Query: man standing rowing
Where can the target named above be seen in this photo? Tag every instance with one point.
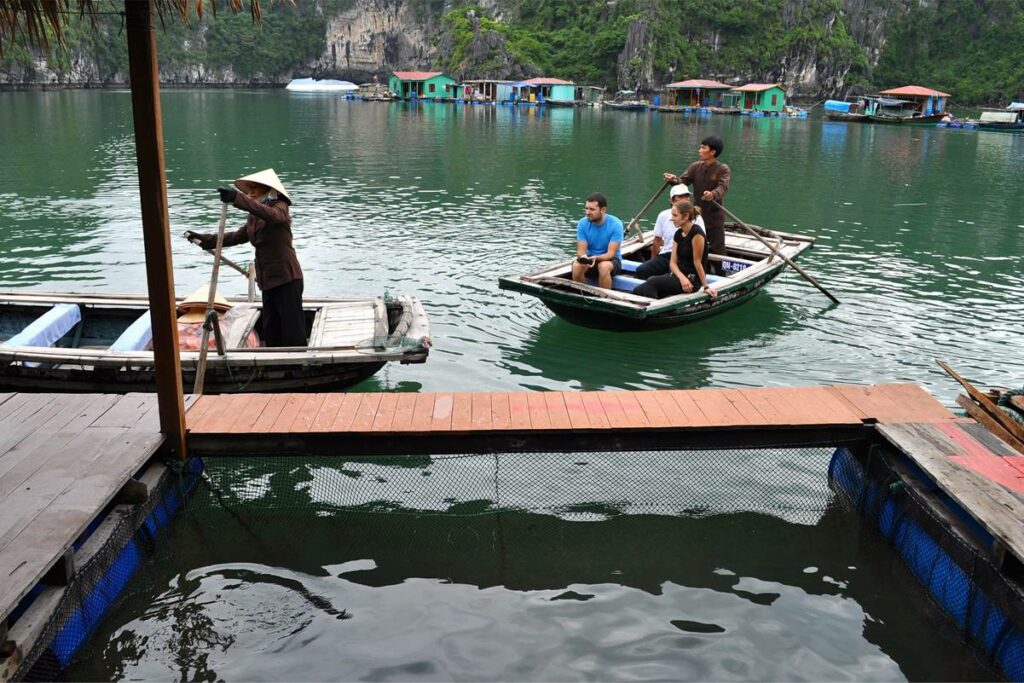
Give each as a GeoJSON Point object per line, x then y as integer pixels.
{"type": "Point", "coordinates": [710, 178]}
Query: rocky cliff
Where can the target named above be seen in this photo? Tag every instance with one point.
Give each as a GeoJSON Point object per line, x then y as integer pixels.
{"type": "Point", "coordinates": [817, 48]}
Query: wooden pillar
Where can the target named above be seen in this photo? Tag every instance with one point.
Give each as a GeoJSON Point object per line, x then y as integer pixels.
{"type": "Point", "coordinates": [149, 151]}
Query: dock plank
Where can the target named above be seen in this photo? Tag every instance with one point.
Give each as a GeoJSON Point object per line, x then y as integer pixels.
{"type": "Point", "coordinates": [441, 417]}
{"type": "Point", "coordinates": [501, 411]}
{"type": "Point", "coordinates": [366, 412]}
{"type": "Point", "coordinates": [519, 410]}
{"type": "Point", "coordinates": [265, 422]}
{"type": "Point", "coordinates": [558, 413]}
{"type": "Point", "coordinates": [462, 412]}
{"type": "Point", "coordinates": [480, 411]}
{"type": "Point", "coordinates": [423, 413]}
{"type": "Point", "coordinates": [595, 410]}
{"type": "Point", "coordinates": [717, 408]}
{"type": "Point", "coordinates": [385, 412]}
{"type": "Point", "coordinates": [538, 410]}
{"type": "Point", "coordinates": [653, 411]}
{"type": "Point", "coordinates": [688, 411]}
{"type": "Point", "coordinates": [346, 413]}
{"type": "Point", "coordinates": [998, 510]}
{"type": "Point", "coordinates": [250, 412]}
{"type": "Point", "coordinates": [402, 421]}
{"type": "Point", "coordinates": [576, 411]}
{"type": "Point", "coordinates": [613, 411]}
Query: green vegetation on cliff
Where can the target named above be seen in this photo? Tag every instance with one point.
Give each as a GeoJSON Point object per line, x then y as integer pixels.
{"type": "Point", "coordinates": [973, 49]}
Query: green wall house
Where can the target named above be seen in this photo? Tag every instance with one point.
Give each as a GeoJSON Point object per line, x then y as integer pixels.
{"type": "Point", "coordinates": [421, 85]}
{"type": "Point", "coordinates": [762, 97]}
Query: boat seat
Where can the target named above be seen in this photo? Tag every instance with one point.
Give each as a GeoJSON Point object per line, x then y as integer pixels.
{"type": "Point", "coordinates": [49, 327]}
{"type": "Point", "coordinates": [630, 266]}
{"type": "Point", "coordinates": [136, 337]}
{"type": "Point", "coordinates": [622, 283]}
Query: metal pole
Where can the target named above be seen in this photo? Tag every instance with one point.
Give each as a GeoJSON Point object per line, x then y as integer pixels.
{"type": "Point", "coordinates": [149, 152]}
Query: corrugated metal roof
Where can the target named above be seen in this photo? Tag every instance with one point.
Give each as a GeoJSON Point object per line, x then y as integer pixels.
{"type": "Point", "coordinates": [547, 81]}
{"type": "Point", "coordinates": [758, 87]}
{"type": "Point", "coordinates": [417, 75]}
{"type": "Point", "coordinates": [699, 83]}
{"type": "Point", "coordinates": [914, 90]}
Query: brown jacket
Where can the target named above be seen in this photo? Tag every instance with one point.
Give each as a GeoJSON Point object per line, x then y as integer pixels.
{"type": "Point", "coordinates": [269, 229]}
{"type": "Point", "coordinates": [715, 177]}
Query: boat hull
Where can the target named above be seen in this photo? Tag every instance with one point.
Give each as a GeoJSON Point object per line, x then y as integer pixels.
{"type": "Point", "coordinates": [621, 310]}
{"type": "Point", "coordinates": [350, 340]}
{"type": "Point", "coordinates": [929, 120]}
{"type": "Point", "coordinates": [593, 318]}
{"type": "Point", "coordinates": [842, 116]}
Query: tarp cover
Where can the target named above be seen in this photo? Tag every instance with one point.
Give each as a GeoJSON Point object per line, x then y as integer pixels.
{"type": "Point", "coordinates": [836, 105]}
{"type": "Point", "coordinates": [998, 117]}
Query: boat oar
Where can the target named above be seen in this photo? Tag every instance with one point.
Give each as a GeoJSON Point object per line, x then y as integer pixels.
{"type": "Point", "coordinates": [775, 251]}
{"type": "Point", "coordinates": [207, 322]}
{"type": "Point", "coordinates": [635, 223]}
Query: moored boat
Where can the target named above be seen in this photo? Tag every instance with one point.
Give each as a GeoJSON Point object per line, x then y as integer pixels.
{"type": "Point", "coordinates": [748, 263]}
{"type": "Point", "coordinates": [1009, 120]}
{"type": "Point", "coordinates": [626, 100]}
{"type": "Point", "coordinates": [326, 85]}
{"type": "Point", "coordinates": [100, 343]}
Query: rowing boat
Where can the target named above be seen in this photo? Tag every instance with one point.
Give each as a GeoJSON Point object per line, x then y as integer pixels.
{"type": "Point", "coordinates": [748, 265]}
{"type": "Point", "coordinates": [102, 343]}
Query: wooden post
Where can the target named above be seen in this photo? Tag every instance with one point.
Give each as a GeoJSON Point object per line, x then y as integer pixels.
{"type": "Point", "coordinates": [149, 152]}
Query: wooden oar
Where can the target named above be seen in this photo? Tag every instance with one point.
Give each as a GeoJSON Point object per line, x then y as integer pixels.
{"type": "Point", "coordinates": [778, 253]}
{"type": "Point", "coordinates": [1004, 420]}
{"type": "Point", "coordinates": [201, 366]}
{"type": "Point", "coordinates": [635, 223]}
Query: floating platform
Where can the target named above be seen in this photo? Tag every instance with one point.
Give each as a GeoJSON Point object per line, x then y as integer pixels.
{"type": "Point", "coordinates": [67, 460]}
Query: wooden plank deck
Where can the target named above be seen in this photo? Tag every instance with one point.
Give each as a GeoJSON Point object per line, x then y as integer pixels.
{"type": "Point", "coordinates": [405, 423]}
{"type": "Point", "coordinates": [63, 458]}
{"type": "Point", "coordinates": [983, 474]}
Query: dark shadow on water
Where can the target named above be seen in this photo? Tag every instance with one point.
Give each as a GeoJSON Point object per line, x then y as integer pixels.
{"type": "Point", "coordinates": [674, 358]}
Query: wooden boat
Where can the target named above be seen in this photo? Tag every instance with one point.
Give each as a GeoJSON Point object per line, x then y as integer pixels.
{"type": "Point", "coordinates": [922, 120]}
{"type": "Point", "coordinates": [1007, 120]}
{"type": "Point", "coordinates": [749, 264]}
{"type": "Point", "coordinates": [96, 343]}
{"type": "Point", "coordinates": [626, 100]}
{"type": "Point", "coordinates": [845, 116]}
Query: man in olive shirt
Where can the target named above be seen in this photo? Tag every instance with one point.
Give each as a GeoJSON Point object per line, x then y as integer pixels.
{"type": "Point", "coordinates": [710, 178]}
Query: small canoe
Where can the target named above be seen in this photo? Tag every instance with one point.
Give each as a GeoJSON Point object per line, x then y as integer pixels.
{"type": "Point", "coordinates": [927, 120]}
{"type": "Point", "coordinates": [748, 263]}
{"type": "Point", "coordinates": [101, 343]}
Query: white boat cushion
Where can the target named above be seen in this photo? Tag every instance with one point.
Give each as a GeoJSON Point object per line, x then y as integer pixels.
{"type": "Point", "coordinates": [49, 327]}
{"type": "Point", "coordinates": [137, 337]}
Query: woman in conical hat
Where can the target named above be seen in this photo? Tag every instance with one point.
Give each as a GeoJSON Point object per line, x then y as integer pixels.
{"type": "Point", "coordinates": [269, 229]}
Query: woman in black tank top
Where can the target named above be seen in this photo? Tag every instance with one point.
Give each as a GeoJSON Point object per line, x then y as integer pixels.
{"type": "Point", "coordinates": [689, 262]}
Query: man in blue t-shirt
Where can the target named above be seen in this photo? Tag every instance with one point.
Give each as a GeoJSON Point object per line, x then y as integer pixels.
{"type": "Point", "coordinates": [598, 236]}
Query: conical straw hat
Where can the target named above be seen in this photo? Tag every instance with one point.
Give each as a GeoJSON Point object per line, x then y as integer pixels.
{"type": "Point", "coordinates": [267, 178]}
{"type": "Point", "coordinates": [193, 307]}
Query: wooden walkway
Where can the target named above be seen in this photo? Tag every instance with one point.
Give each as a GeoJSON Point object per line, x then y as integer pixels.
{"type": "Point", "coordinates": [596, 420]}
{"type": "Point", "coordinates": [63, 458]}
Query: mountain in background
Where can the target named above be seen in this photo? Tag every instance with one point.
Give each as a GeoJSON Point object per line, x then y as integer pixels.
{"type": "Point", "coordinates": [973, 49]}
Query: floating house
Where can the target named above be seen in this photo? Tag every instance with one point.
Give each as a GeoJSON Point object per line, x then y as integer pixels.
{"type": "Point", "coordinates": [589, 94]}
{"type": "Point", "coordinates": [916, 100]}
{"type": "Point", "coordinates": [481, 90]}
{"type": "Point", "coordinates": [552, 90]}
{"type": "Point", "coordinates": [695, 92]}
{"type": "Point", "coordinates": [421, 85]}
{"type": "Point", "coordinates": [761, 97]}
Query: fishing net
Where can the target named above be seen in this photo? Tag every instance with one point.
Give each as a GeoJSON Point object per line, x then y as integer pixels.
{"type": "Point", "coordinates": [414, 509]}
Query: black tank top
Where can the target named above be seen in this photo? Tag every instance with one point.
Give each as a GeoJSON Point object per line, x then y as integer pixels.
{"type": "Point", "coordinates": [684, 250]}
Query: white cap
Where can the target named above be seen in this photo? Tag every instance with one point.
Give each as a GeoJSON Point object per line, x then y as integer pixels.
{"type": "Point", "coordinates": [678, 190]}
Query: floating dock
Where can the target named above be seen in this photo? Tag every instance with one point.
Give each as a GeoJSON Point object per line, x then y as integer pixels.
{"type": "Point", "coordinates": [65, 460]}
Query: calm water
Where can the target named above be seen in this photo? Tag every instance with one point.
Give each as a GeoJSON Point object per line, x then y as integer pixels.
{"type": "Point", "coordinates": [920, 235]}
{"type": "Point", "coordinates": [921, 231]}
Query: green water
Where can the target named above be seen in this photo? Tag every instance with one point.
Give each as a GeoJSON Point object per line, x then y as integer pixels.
{"type": "Point", "coordinates": [920, 231]}
{"type": "Point", "coordinates": [920, 234]}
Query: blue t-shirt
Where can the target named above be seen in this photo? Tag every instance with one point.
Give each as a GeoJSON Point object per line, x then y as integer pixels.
{"type": "Point", "coordinates": [598, 237]}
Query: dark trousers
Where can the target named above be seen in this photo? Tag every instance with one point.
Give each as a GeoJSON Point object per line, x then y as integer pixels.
{"type": "Point", "coordinates": [661, 286]}
{"type": "Point", "coordinates": [283, 323]}
{"type": "Point", "coordinates": [714, 224]}
{"type": "Point", "coordinates": [659, 265]}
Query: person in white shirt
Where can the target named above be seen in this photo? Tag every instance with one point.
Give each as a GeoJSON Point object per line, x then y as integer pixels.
{"type": "Point", "coordinates": [664, 232]}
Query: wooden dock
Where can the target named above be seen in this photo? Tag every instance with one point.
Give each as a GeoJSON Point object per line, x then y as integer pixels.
{"type": "Point", "coordinates": [396, 423]}
{"type": "Point", "coordinates": [65, 458]}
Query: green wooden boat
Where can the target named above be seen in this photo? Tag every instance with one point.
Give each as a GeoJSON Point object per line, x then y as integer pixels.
{"type": "Point", "coordinates": [748, 263]}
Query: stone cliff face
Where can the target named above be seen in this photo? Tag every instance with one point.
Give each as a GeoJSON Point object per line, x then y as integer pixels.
{"type": "Point", "coordinates": [374, 37]}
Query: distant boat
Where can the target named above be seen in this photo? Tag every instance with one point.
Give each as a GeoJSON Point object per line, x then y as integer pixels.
{"type": "Point", "coordinates": [626, 100]}
{"type": "Point", "coordinates": [1009, 120]}
{"type": "Point", "coordinates": [314, 85]}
